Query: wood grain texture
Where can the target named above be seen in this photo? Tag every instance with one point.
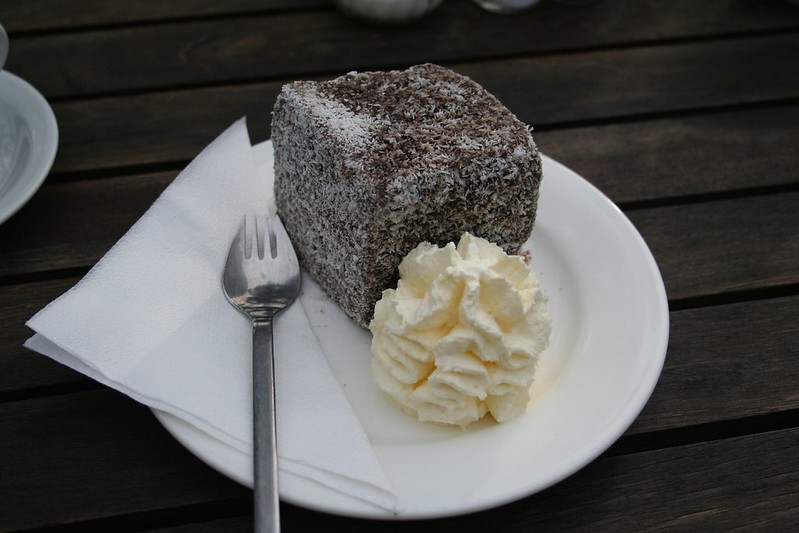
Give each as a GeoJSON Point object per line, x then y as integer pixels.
{"type": "Point", "coordinates": [609, 84]}
{"type": "Point", "coordinates": [730, 245]}
{"type": "Point", "coordinates": [253, 48]}
{"type": "Point", "coordinates": [546, 92]}
{"type": "Point", "coordinates": [708, 18]}
{"type": "Point", "coordinates": [93, 455]}
{"type": "Point", "coordinates": [705, 19]}
{"type": "Point", "coordinates": [77, 222]}
{"type": "Point", "coordinates": [682, 156]}
{"type": "Point", "coordinates": [83, 455]}
{"type": "Point", "coordinates": [50, 15]}
{"type": "Point", "coordinates": [239, 524]}
{"type": "Point", "coordinates": [726, 362]}
{"type": "Point", "coordinates": [157, 128]}
{"type": "Point", "coordinates": [21, 369]}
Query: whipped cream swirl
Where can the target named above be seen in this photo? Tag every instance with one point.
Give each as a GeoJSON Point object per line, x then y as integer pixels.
{"type": "Point", "coordinates": [461, 334]}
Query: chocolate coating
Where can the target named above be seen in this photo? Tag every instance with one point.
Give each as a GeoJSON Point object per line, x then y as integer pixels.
{"type": "Point", "coordinates": [370, 164]}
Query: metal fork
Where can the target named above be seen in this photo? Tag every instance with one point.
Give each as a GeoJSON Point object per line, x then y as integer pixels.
{"type": "Point", "coordinates": [262, 277]}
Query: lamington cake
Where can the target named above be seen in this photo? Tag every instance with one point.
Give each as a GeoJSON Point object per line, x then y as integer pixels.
{"type": "Point", "coordinates": [370, 164]}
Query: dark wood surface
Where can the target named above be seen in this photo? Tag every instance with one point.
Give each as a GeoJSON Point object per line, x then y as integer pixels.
{"type": "Point", "coordinates": [685, 113]}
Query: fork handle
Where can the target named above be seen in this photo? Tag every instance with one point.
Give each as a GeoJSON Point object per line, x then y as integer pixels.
{"type": "Point", "coordinates": [266, 501]}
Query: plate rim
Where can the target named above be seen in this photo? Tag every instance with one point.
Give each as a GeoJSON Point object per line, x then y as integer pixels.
{"type": "Point", "coordinates": [191, 437]}
{"type": "Point", "coordinates": [44, 163]}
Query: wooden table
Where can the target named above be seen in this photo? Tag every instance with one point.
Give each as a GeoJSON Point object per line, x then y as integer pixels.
{"type": "Point", "coordinates": [685, 113]}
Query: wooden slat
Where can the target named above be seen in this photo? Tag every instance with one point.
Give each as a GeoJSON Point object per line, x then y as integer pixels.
{"type": "Point", "coordinates": [154, 128]}
{"type": "Point", "coordinates": [545, 92]}
{"type": "Point", "coordinates": [239, 524]}
{"type": "Point", "coordinates": [726, 362]}
{"type": "Point", "coordinates": [645, 80]}
{"type": "Point", "coordinates": [76, 222]}
{"type": "Point", "coordinates": [38, 15]}
{"type": "Point", "coordinates": [682, 156]}
{"type": "Point", "coordinates": [79, 456]}
{"type": "Point", "coordinates": [20, 369]}
{"type": "Point", "coordinates": [724, 246]}
{"type": "Point", "coordinates": [92, 455]}
{"type": "Point", "coordinates": [202, 52]}
{"type": "Point", "coordinates": [702, 19]}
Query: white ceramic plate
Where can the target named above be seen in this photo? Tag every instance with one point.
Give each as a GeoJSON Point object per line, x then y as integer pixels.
{"type": "Point", "coordinates": [28, 142]}
{"type": "Point", "coordinates": [608, 344]}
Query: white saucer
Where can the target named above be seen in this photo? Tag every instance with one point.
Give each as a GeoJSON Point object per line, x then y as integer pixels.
{"type": "Point", "coordinates": [608, 344]}
{"type": "Point", "coordinates": [28, 142]}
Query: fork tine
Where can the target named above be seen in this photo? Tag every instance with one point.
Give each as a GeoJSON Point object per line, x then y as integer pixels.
{"type": "Point", "coordinates": [254, 229]}
{"type": "Point", "coordinates": [271, 242]}
{"type": "Point", "coordinates": [246, 235]}
{"type": "Point", "coordinates": [237, 247]}
{"type": "Point", "coordinates": [233, 281]}
{"type": "Point", "coordinates": [273, 236]}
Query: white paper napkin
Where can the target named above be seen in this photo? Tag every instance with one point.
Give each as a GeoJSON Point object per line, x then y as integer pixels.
{"type": "Point", "coordinates": [151, 320]}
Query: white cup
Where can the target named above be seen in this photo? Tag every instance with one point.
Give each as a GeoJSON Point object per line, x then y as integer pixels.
{"type": "Point", "coordinates": [506, 7]}
{"type": "Point", "coordinates": [388, 11]}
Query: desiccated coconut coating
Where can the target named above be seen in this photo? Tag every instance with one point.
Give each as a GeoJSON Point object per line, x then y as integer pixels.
{"type": "Point", "coordinates": [370, 164]}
